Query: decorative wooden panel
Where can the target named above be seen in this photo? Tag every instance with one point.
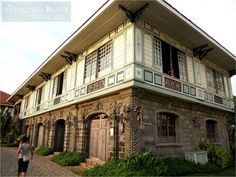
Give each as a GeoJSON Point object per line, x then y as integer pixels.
{"type": "Point", "coordinates": [96, 86]}
{"type": "Point", "coordinates": [172, 84]}
{"type": "Point", "coordinates": [218, 99]}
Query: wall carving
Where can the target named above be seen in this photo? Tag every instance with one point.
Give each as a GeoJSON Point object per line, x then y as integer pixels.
{"type": "Point", "coordinates": [139, 113]}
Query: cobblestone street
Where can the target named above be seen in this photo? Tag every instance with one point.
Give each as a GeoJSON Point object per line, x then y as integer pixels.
{"type": "Point", "coordinates": [39, 166]}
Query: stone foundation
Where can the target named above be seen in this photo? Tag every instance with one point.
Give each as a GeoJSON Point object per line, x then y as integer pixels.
{"type": "Point", "coordinates": [132, 124]}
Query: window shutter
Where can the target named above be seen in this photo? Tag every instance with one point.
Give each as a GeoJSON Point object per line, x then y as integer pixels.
{"type": "Point", "coordinates": [54, 89]}
{"type": "Point", "coordinates": [80, 73]}
{"type": "Point", "coordinates": [226, 87]}
{"type": "Point", "coordinates": [182, 66]}
{"type": "Point", "coordinates": [43, 94]}
{"type": "Point", "coordinates": [118, 59]}
{"type": "Point", "coordinates": [138, 45]}
{"type": "Point", "coordinates": [197, 72]}
{"type": "Point", "coordinates": [157, 54]}
{"type": "Point", "coordinates": [72, 78]}
{"type": "Point", "coordinates": [64, 84]}
{"type": "Point", "coordinates": [129, 46]}
{"type": "Point", "coordinates": [148, 50]}
{"type": "Point", "coordinates": [190, 69]}
{"type": "Point", "coordinates": [203, 75]}
{"type": "Point", "coordinates": [46, 91]}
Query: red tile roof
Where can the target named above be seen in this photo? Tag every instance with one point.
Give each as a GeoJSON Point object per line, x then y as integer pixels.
{"type": "Point", "coordinates": [3, 98]}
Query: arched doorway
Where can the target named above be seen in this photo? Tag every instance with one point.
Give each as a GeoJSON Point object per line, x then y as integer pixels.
{"type": "Point", "coordinates": [98, 137]}
{"type": "Point", "coordinates": [59, 135]}
{"type": "Point", "coordinates": [40, 134]}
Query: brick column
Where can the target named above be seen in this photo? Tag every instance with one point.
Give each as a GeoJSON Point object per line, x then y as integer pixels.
{"type": "Point", "coordinates": [80, 145]}
{"type": "Point", "coordinates": [67, 135]}
{"type": "Point", "coordinates": [43, 143]}
{"type": "Point", "coordinates": [51, 134]}
{"type": "Point", "coordinates": [34, 135]}
{"type": "Point", "coordinates": [74, 124]}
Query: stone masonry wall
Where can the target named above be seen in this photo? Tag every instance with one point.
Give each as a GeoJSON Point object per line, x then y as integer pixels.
{"type": "Point", "coordinates": [190, 125]}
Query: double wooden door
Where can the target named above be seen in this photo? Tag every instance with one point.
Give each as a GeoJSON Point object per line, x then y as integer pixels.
{"type": "Point", "coordinates": [98, 145]}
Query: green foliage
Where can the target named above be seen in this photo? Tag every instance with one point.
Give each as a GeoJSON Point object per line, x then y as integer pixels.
{"type": "Point", "coordinates": [138, 164]}
{"type": "Point", "coordinates": [215, 154]}
{"type": "Point", "coordinates": [8, 145]}
{"type": "Point", "coordinates": [15, 133]}
{"type": "Point", "coordinates": [68, 158]}
{"type": "Point", "coordinates": [178, 167]}
{"type": "Point", "coordinates": [44, 151]}
{"type": "Point", "coordinates": [144, 160]}
{"type": "Point", "coordinates": [231, 122]}
{"type": "Point", "coordinates": [5, 123]}
{"type": "Point", "coordinates": [19, 138]}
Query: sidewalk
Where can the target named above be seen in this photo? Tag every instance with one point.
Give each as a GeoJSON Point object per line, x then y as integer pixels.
{"type": "Point", "coordinates": [39, 166]}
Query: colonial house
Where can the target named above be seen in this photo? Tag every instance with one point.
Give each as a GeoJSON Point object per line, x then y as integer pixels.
{"type": "Point", "coordinates": [4, 105]}
{"type": "Point", "coordinates": [136, 75]}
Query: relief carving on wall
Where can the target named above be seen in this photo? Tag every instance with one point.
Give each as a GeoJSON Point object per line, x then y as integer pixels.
{"type": "Point", "coordinates": [139, 113]}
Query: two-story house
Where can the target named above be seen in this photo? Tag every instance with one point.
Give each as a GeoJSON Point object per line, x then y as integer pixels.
{"type": "Point", "coordinates": [136, 75]}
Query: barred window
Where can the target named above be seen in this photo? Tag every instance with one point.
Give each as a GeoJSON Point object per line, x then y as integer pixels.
{"type": "Point", "coordinates": [166, 128]}
{"type": "Point", "coordinates": [182, 66]}
{"type": "Point", "coordinates": [211, 127]}
{"type": "Point", "coordinates": [157, 52]}
{"type": "Point", "coordinates": [104, 57]}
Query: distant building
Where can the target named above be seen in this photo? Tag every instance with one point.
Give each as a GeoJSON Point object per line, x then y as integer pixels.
{"type": "Point", "coordinates": [4, 105]}
{"type": "Point", "coordinates": [137, 75]}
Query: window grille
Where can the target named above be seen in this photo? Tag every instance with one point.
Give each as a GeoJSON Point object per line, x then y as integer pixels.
{"type": "Point", "coordinates": [166, 125]}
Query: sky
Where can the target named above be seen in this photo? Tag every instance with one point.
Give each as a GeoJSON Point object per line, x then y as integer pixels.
{"type": "Point", "coordinates": [25, 45]}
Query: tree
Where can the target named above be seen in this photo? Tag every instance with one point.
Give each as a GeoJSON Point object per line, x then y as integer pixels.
{"type": "Point", "coordinates": [5, 123]}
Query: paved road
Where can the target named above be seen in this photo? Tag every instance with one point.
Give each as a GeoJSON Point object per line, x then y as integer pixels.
{"type": "Point", "coordinates": [39, 166]}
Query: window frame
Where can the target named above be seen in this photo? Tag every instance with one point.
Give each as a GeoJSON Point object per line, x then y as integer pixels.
{"type": "Point", "coordinates": [209, 138]}
{"type": "Point", "coordinates": [59, 84]}
{"type": "Point", "coordinates": [167, 139]}
{"type": "Point", "coordinates": [102, 64]}
{"type": "Point", "coordinates": [215, 80]}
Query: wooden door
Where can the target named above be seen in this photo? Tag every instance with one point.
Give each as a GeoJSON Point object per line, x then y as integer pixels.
{"type": "Point", "coordinates": [98, 148]}
{"type": "Point", "coordinates": [40, 135]}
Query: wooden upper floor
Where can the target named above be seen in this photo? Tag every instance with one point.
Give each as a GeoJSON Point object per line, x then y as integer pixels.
{"type": "Point", "coordinates": [161, 51]}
